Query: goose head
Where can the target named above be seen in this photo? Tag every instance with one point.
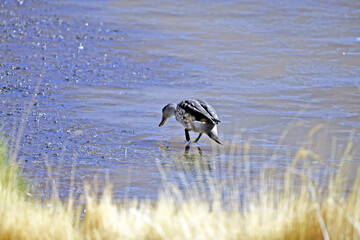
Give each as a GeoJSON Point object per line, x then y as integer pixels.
{"type": "Point", "coordinates": [167, 112]}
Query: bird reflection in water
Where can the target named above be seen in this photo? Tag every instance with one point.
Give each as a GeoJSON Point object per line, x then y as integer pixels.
{"type": "Point", "coordinates": [196, 158]}
{"type": "Point", "coordinates": [191, 159]}
{"type": "Point", "coordinates": [187, 148]}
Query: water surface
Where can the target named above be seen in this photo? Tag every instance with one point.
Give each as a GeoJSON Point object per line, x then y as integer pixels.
{"type": "Point", "coordinates": [269, 69]}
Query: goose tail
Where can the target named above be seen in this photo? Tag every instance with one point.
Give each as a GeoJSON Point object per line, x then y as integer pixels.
{"type": "Point", "coordinates": [214, 135]}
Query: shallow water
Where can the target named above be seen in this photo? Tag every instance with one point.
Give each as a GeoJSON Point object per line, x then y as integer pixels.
{"type": "Point", "coordinates": [107, 68]}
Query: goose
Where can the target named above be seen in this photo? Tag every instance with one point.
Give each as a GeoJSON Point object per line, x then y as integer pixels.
{"type": "Point", "coordinates": [194, 115]}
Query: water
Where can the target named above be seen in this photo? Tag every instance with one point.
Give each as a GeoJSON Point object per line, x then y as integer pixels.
{"type": "Point", "coordinates": [107, 68]}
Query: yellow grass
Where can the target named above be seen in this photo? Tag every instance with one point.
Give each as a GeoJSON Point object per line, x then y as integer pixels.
{"type": "Point", "coordinates": [287, 213]}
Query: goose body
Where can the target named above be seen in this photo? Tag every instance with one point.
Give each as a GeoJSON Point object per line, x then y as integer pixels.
{"type": "Point", "coordinates": [194, 115]}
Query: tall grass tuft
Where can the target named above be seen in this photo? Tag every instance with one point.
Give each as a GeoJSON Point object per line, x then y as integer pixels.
{"type": "Point", "coordinates": [24, 218]}
{"type": "Point", "coordinates": [298, 210]}
{"type": "Point", "coordinates": [10, 177]}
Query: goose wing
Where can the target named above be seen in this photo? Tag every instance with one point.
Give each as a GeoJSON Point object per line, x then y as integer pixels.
{"type": "Point", "coordinates": [210, 110]}
{"type": "Point", "coordinates": [200, 110]}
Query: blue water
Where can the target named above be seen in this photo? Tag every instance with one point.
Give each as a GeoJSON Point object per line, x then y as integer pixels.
{"type": "Point", "coordinates": [269, 69]}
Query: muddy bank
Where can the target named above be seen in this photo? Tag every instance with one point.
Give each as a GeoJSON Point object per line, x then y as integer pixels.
{"type": "Point", "coordinates": [47, 49]}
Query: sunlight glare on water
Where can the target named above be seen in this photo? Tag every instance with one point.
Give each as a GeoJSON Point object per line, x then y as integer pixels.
{"type": "Point", "coordinates": [263, 65]}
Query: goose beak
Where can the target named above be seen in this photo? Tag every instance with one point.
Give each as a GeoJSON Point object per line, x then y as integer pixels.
{"type": "Point", "coordinates": [163, 120]}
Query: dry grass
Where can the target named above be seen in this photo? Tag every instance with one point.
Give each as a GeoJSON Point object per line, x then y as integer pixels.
{"type": "Point", "coordinates": [304, 212]}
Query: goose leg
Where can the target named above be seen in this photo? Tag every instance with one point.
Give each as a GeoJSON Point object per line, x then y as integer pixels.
{"type": "Point", "coordinates": [197, 139]}
{"type": "Point", "coordinates": [187, 136]}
